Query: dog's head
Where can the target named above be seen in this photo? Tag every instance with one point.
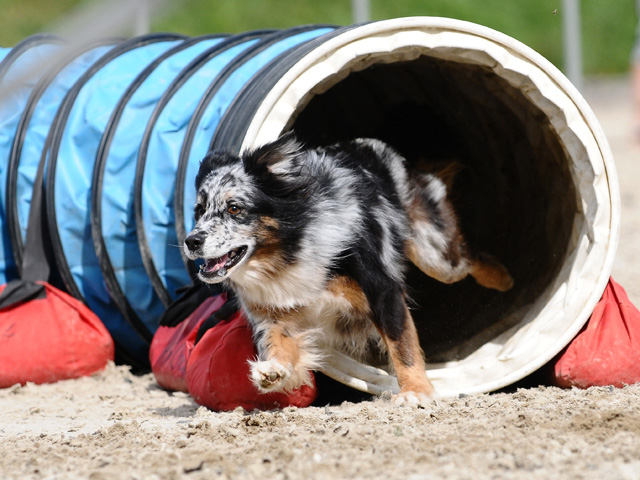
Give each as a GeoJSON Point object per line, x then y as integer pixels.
{"type": "Point", "coordinates": [234, 210]}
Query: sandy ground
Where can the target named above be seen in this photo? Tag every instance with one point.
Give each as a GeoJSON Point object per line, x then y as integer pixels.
{"type": "Point", "coordinates": [116, 425]}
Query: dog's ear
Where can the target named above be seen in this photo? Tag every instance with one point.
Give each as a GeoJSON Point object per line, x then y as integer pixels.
{"type": "Point", "coordinates": [212, 160]}
{"type": "Point", "coordinates": [271, 154]}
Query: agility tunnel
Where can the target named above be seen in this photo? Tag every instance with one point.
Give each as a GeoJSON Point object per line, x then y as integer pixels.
{"type": "Point", "coordinates": [123, 125]}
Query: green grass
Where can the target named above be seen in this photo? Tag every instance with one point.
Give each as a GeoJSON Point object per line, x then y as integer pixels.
{"type": "Point", "coordinates": [21, 18]}
{"type": "Point", "coordinates": [608, 26]}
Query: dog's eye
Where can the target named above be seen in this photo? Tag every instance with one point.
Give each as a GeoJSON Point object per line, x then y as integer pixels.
{"type": "Point", "coordinates": [234, 209]}
{"type": "Point", "coordinates": [199, 211]}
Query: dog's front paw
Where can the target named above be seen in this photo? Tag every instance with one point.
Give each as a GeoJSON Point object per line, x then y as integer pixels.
{"type": "Point", "coordinates": [412, 399]}
{"type": "Point", "coordinates": [270, 375]}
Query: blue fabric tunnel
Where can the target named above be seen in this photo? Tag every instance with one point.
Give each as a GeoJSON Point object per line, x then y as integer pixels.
{"type": "Point", "coordinates": [113, 121]}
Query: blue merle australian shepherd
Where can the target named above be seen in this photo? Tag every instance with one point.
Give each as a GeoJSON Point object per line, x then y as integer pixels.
{"type": "Point", "coordinates": [315, 242]}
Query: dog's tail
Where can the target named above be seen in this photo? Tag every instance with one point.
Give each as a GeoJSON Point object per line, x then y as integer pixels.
{"type": "Point", "coordinates": [436, 245]}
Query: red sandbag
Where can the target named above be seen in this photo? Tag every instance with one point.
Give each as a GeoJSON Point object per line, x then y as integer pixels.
{"type": "Point", "coordinates": [49, 337]}
{"type": "Point", "coordinates": [172, 345]}
{"type": "Point", "coordinates": [607, 350]}
{"type": "Point", "coordinates": [218, 372]}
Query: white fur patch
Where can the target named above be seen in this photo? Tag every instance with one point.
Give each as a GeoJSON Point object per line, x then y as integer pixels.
{"type": "Point", "coordinates": [431, 245]}
{"type": "Point", "coordinates": [435, 189]}
{"type": "Point", "coordinates": [392, 259]}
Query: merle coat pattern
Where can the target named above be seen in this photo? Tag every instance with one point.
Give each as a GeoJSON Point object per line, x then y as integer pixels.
{"type": "Point", "coordinates": [315, 243]}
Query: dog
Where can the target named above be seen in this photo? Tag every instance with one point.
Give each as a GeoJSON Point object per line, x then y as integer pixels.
{"type": "Point", "coordinates": [315, 242]}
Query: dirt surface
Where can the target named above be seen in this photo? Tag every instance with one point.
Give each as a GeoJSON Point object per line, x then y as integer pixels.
{"type": "Point", "coordinates": [116, 425]}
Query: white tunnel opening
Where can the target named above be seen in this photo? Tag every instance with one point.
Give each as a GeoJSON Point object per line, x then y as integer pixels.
{"type": "Point", "coordinates": [536, 188]}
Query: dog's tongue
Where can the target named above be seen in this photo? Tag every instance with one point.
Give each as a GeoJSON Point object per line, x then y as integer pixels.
{"type": "Point", "coordinates": [215, 264]}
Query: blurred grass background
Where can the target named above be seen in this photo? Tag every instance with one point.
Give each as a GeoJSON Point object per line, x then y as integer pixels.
{"type": "Point", "coordinates": [608, 26]}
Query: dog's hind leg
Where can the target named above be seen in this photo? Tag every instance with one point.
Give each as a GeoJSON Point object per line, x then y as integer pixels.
{"type": "Point", "coordinates": [436, 245]}
{"type": "Point", "coordinates": [490, 273]}
{"type": "Point", "coordinates": [485, 269]}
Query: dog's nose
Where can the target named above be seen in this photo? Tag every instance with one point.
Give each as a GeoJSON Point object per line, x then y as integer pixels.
{"type": "Point", "coordinates": [194, 241]}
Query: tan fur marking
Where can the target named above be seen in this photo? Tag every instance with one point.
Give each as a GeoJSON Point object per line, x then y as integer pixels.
{"type": "Point", "coordinates": [490, 273]}
{"type": "Point", "coordinates": [268, 259]}
{"type": "Point", "coordinates": [270, 222]}
{"type": "Point", "coordinates": [276, 314]}
{"type": "Point", "coordinates": [266, 232]}
{"type": "Point", "coordinates": [284, 360]}
{"type": "Point", "coordinates": [347, 288]}
{"type": "Point", "coordinates": [407, 359]}
{"type": "Point", "coordinates": [282, 348]}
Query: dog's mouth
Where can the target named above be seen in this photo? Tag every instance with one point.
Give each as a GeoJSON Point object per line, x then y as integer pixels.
{"type": "Point", "coordinates": [219, 267]}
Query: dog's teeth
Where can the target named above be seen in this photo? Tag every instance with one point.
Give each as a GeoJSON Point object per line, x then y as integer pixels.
{"type": "Point", "coordinates": [232, 254]}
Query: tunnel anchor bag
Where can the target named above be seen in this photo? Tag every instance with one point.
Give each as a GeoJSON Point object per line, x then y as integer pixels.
{"type": "Point", "coordinates": [45, 334]}
{"type": "Point", "coordinates": [203, 346]}
{"type": "Point", "coordinates": [196, 309]}
{"type": "Point", "coordinates": [218, 372]}
{"type": "Point", "coordinates": [607, 350]}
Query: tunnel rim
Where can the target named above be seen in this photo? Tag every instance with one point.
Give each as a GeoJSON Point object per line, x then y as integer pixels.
{"type": "Point", "coordinates": [424, 35]}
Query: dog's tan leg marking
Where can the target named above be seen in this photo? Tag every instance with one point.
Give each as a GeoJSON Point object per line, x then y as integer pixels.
{"type": "Point", "coordinates": [283, 359]}
{"type": "Point", "coordinates": [280, 358]}
{"type": "Point", "coordinates": [283, 348]}
{"type": "Point", "coordinates": [408, 362]}
{"type": "Point", "coordinates": [405, 353]}
{"type": "Point", "coordinates": [490, 273]}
